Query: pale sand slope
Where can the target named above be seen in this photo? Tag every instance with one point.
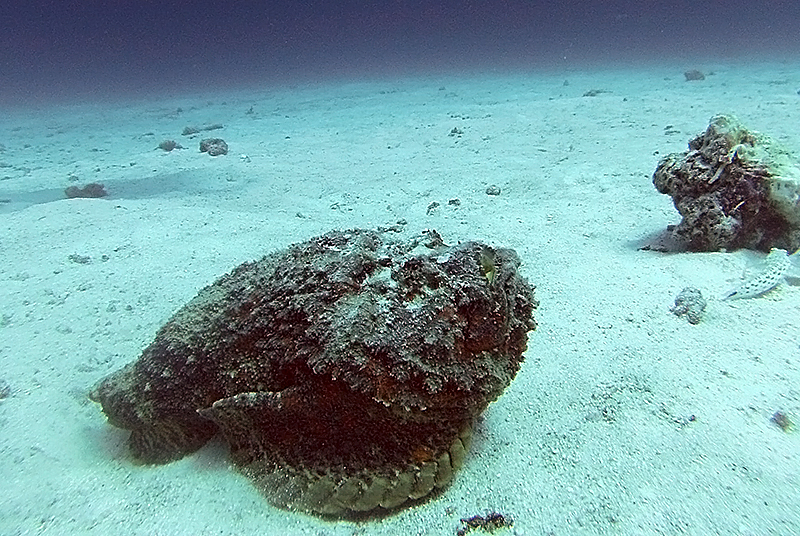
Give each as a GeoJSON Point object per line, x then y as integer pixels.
{"type": "Point", "coordinates": [593, 437]}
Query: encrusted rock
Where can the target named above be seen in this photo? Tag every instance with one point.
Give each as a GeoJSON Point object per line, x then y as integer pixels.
{"type": "Point", "coordinates": [345, 372]}
{"type": "Point", "coordinates": [91, 190]}
{"type": "Point", "coordinates": [693, 74]}
{"type": "Point", "coordinates": [690, 302]}
{"type": "Point", "coordinates": [214, 146]}
{"type": "Point", "coordinates": [734, 189]}
{"type": "Point", "coordinates": [169, 145]}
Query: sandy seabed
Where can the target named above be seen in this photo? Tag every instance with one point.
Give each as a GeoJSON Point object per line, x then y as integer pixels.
{"type": "Point", "coordinates": [625, 419]}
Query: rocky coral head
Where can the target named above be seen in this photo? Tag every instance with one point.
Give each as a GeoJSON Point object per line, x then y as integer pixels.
{"type": "Point", "coordinates": [734, 188]}
{"type": "Point", "coordinates": [345, 371]}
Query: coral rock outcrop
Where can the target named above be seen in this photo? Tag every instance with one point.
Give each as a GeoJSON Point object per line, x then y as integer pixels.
{"type": "Point", "coordinates": [734, 189]}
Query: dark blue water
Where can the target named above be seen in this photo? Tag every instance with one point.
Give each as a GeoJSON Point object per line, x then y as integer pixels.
{"type": "Point", "coordinates": [89, 48]}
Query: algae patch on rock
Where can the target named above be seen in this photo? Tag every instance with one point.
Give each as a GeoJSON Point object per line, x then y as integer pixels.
{"type": "Point", "coordinates": [345, 372]}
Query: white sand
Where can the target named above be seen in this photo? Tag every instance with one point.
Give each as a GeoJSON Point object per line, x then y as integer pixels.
{"type": "Point", "coordinates": [593, 437]}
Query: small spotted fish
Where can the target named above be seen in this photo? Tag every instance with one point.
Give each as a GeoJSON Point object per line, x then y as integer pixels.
{"type": "Point", "coordinates": [778, 264]}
